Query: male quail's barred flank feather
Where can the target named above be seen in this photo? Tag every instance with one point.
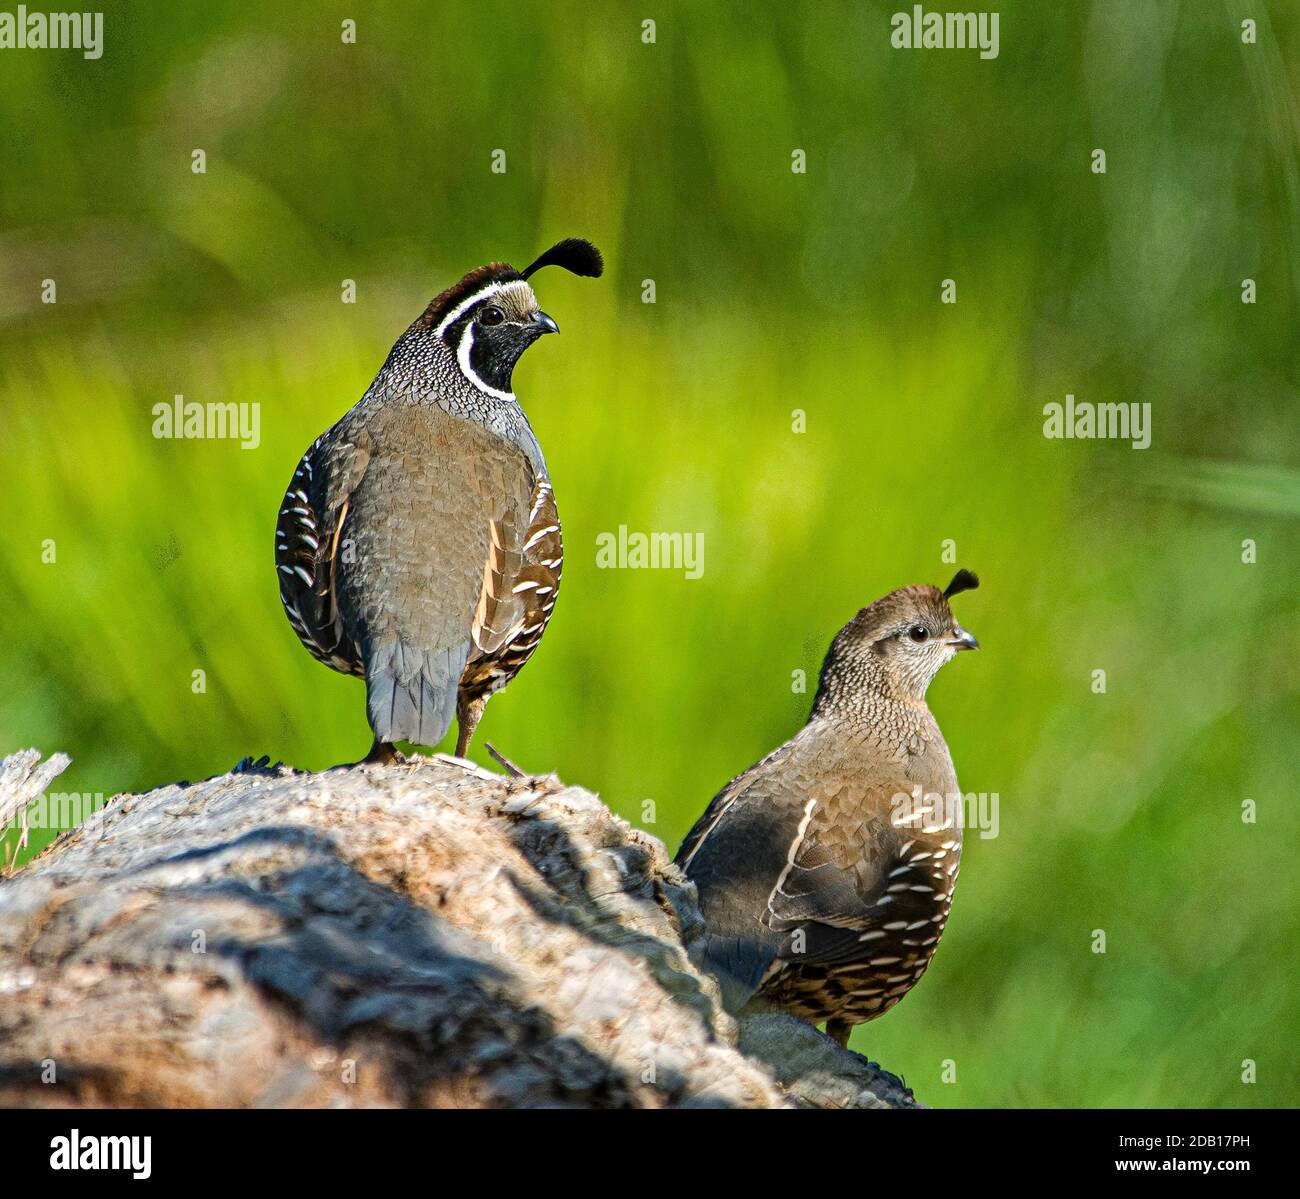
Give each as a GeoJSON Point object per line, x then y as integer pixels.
{"type": "Point", "coordinates": [419, 543]}
{"type": "Point", "coordinates": [825, 877]}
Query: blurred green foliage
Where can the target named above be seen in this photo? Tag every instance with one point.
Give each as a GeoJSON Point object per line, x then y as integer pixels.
{"type": "Point", "coordinates": [775, 291]}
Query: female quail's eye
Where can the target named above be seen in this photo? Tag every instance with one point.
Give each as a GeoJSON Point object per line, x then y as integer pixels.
{"type": "Point", "coordinates": [493, 316]}
{"type": "Point", "coordinates": [918, 632]}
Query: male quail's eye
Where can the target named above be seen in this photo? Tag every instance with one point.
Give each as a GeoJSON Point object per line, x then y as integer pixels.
{"type": "Point", "coordinates": [918, 632]}
{"type": "Point", "coordinates": [493, 316]}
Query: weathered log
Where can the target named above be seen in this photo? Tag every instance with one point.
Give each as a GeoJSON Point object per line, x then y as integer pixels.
{"type": "Point", "coordinates": [420, 934]}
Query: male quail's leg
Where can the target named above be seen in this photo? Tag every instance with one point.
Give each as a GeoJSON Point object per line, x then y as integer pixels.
{"type": "Point", "coordinates": [468, 714]}
{"type": "Point", "coordinates": [839, 1031]}
{"type": "Point", "coordinates": [382, 753]}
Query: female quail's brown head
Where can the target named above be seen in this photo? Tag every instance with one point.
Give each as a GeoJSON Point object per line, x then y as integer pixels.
{"type": "Point", "coordinates": [900, 642]}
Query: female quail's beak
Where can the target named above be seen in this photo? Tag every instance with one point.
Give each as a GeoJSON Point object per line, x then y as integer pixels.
{"type": "Point", "coordinates": [963, 640]}
{"type": "Point", "coordinates": [544, 323]}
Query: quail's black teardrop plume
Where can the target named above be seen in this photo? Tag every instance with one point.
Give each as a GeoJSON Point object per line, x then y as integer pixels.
{"type": "Point", "coordinates": [963, 580]}
{"type": "Point", "coordinates": [573, 254]}
{"type": "Point", "coordinates": [418, 545]}
{"type": "Point", "coordinates": [826, 871]}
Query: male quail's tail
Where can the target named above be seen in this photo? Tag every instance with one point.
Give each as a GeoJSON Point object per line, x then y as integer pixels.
{"type": "Point", "coordinates": [410, 695]}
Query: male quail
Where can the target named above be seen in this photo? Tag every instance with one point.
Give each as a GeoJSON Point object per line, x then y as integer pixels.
{"type": "Point", "coordinates": [826, 871]}
{"type": "Point", "coordinates": [418, 545]}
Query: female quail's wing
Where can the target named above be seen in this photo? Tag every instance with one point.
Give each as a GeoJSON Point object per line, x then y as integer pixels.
{"type": "Point", "coordinates": [732, 855]}
{"type": "Point", "coordinates": [835, 883]}
{"type": "Point", "coordinates": [873, 866]}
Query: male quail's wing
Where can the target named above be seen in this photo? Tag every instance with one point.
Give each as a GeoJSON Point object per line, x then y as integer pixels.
{"type": "Point", "coordinates": [521, 577]}
{"type": "Point", "coordinates": [307, 538]}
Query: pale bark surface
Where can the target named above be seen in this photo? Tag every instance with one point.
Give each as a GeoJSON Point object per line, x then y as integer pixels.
{"type": "Point", "coordinates": [406, 935]}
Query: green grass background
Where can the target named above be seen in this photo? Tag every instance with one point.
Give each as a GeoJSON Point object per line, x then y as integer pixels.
{"type": "Point", "coordinates": [775, 291]}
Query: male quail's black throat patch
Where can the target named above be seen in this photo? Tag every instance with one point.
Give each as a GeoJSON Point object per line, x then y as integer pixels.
{"type": "Point", "coordinates": [495, 351]}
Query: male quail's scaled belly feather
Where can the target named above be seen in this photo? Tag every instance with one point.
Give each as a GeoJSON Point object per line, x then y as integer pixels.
{"type": "Point", "coordinates": [419, 544]}
{"type": "Point", "coordinates": [826, 871]}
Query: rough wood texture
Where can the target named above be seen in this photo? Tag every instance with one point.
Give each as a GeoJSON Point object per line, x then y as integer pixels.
{"type": "Point", "coordinates": [415, 934]}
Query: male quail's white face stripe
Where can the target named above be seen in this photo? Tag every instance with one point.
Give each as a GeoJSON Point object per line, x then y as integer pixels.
{"type": "Point", "coordinates": [463, 351]}
{"type": "Point", "coordinates": [492, 289]}
{"type": "Point", "coordinates": [515, 298]}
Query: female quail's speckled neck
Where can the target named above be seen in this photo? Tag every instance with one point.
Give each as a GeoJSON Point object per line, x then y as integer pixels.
{"type": "Point", "coordinates": [418, 545]}
{"type": "Point", "coordinates": [826, 871]}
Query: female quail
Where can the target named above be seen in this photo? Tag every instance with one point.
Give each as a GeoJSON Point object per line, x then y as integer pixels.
{"type": "Point", "coordinates": [418, 545]}
{"type": "Point", "coordinates": [826, 871]}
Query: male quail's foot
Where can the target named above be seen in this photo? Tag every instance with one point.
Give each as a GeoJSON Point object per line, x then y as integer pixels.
{"type": "Point", "coordinates": [469, 711]}
{"type": "Point", "coordinates": [437, 454]}
{"type": "Point", "coordinates": [825, 876]}
{"type": "Point", "coordinates": [382, 753]}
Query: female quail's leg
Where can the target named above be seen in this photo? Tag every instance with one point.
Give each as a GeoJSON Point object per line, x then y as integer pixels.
{"type": "Point", "coordinates": [839, 1031]}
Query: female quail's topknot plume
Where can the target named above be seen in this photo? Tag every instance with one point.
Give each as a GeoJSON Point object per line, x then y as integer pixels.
{"type": "Point", "coordinates": [418, 545]}
{"type": "Point", "coordinates": [826, 871]}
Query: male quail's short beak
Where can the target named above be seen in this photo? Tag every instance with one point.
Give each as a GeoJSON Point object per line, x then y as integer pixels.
{"type": "Point", "coordinates": [963, 640]}
{"type": "Point", "coordinates": [544, 323]}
